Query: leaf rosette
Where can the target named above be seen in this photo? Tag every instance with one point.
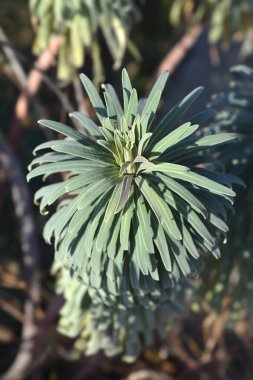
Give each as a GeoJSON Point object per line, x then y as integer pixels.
{"type": "Point", "coordinates": [138, 206]}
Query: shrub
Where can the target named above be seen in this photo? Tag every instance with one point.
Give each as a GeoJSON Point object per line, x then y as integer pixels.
{"type": "Point", "coordinates": [138, 207]}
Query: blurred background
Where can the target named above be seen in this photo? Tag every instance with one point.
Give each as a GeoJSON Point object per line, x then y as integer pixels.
{"type": "Point", "coordinates": [41, 55]}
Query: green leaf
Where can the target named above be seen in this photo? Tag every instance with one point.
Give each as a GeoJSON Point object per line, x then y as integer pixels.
{"type": "Point", "coordinates": [189, 243]}
{"type": "Point", "coordinates": [132, 108]}
{"type": "Point", "coordinates": [202, 116]}
{"type": "Point", "coordinates": [145, 225]}
{"type": "Point", "coordinates": [203, 182]}
{"type": "Point", "coordinates": [173, 138]}
{"type": "Point", "coordinates": [185, 174]}
{"type": "Point", "coordinates": [168, 123]}
{"type": "Point", "coordinates": [185, 194]}
{"type": "Point", "coordinates": [162, 245]}
{"type": "Point", "coordinates": [150, 105]}
{"type": "Point", "coordinates": [111, 111]}
{"type": "Point", "coordinates": [94, 191]}
{"type": "Point", "coordinates": [87, 123]}
{"type": "Point", "coordinates": [190, 216]}
{"type": "Point", "coordinates": [77, 150]}
{"type": "Point", "coordinates": [114, 98]}
{"type": "Point", "coordinates": [219, 138]}
{"type": "Point", "coordinates": [67, 131]}
{"type": "Point", "coordinates": [127, 88]}
{"type": "Point", "coordinates": [104, 230]}
{"type": "Point", "coordinates": [127, 214]}
{"type": "Point", "coordinates": [166, 167]}
{"type": "Point", "coordinates": [159, 207]}
{"type": "Point", "coordinates": [94, 97]}
{"type": "Point", "coordinates": [144, 139]}
{"type": "Point", "coordinates": [181, 257]}
{"type": "Point", "coordinates": [149, 109]}
{"type": "Point", "coordinates": [125, 189]}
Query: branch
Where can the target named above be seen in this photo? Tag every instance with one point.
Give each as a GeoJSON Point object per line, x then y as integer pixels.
{"type": "Point", "coordinates": [177, 54]}
{"type": "Point", "coordinates": [12, 58]}
{"type": "Point", "coordinates": [34, 79]}
{"type": "Point", "coordinates": [29, 244]}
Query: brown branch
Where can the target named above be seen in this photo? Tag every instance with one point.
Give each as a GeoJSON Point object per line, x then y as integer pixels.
{"type": "Point", "coordinates": [23, 209]}
{"type": "Point", "coordinates": [16, 68]}
{"type": "Point", "coordinates": [33, 82]}
{"type": "Point", "coordinates": [14, 312]}
{"type": "Point", "coordinates": [177, 54]}
{"type": "Point", "coordinates": [15, 65]}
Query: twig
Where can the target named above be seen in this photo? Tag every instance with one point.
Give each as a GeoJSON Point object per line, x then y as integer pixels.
{"type": "Point", "coordinates": [24, 356]}
{"type": "Point", "coordinates": [15, 66]}
{"type": "Point", "coordinates": [12, 58]}
{"type": "Point", "coordinates": [34, 79]}
{"type": "Point", "coordinates": [21, 76]}
{"type": "Point", "coordinates": [23, 209]}
{"type": "Point", "coordinates": [176, 55]}
{"type": "Point", "coordinates": [14, 312]}
{"type": "Point", "coordinates": [31, 83]}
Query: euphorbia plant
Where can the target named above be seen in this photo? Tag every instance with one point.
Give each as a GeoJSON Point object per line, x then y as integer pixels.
{"type": "Point", "coordinates": [140, 204]}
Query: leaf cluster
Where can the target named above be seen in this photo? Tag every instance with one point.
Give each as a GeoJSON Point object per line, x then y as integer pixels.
{"type": "Point", "coordinates": [112, 329]}
{"type": "Point", "coordinates": [224, 17]}
{"type": "Point", "coordinates": [236, 105]}
{"type": "Point", "coordinates": [139, 205]}
{"type": "Point", "coordinates": [78, 22]}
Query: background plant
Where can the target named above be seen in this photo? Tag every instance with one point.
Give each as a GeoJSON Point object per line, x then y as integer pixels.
{"type": "Point", "coordinates": [230, 283]}
{"type": "Point", "coordinates": [79, 23]}
{"type": "Point", "coordinates": [225, 18]}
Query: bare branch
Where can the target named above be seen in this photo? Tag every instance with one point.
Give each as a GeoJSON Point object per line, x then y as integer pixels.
{"type": "Point", "coordinates": [176, 55]}
{"type": "Point", "coordinates": [12, 58]}
{"type": "Point", "coordinates": [23, 209]}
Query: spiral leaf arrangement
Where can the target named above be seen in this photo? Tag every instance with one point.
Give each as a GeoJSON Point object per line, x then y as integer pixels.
{"type": "Point", "coordinates": [78, 22]}
{"type": "Point", "coordinates": [236, 114]}
{"type": "Point", "coordinates": [138, 207]}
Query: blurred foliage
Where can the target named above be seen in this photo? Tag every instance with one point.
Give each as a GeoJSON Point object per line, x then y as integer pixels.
{"type": "Point", "coordinates": [224, 18]}
{"type": "Point", "coordinates": [17, 24]}
{"type": "Point", "coordinates": [114, 329]}
{"type": "Point", "coordinates": [230, 281]}
{"type": "Point", "coordinates": [79, 22]}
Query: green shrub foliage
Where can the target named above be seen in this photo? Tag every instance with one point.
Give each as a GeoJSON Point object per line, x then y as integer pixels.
{"type": "Point", "coordinates": [116, 330]}
{"type": "Point", "coordinates": [223, 17]}
{"type": "Point", "coordinates": [140, 203]}
{"type": "Point", "coordinates": [79, 23]}
{"type": "Point", "coordinates": [138, 206]}
{"type": "Point", "coordinates": [232, 279]}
